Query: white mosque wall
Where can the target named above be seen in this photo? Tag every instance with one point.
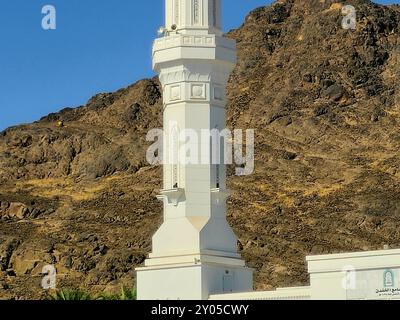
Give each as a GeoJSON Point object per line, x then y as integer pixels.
{"type": "Point", "coordinates": [370, 275]}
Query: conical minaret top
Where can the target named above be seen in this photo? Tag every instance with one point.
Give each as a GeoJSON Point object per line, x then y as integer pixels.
{"type": "Point", "coordinates": [194, 16]}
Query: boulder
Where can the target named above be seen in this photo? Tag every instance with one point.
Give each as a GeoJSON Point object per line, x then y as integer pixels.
{"type": "Point", "coordinates": [17, 210]}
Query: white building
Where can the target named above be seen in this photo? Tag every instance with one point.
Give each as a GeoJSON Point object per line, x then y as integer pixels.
{"type": "Point", "coordinates": [369, 275]}
{"type": "Point", "coordinates": [194, 252]}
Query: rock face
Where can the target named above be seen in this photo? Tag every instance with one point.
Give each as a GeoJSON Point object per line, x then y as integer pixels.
{"type": "Point", "coordinates": [325, 106]}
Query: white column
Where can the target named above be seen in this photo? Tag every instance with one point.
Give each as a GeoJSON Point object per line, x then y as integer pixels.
{"type": "Point", "coordinates": [195, 250]}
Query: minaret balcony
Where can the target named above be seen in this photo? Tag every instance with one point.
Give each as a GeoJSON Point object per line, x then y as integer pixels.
{"type": "Point", "coordinates": [176, 195]}
{"type": "Point", "coordinates": [175, 49]}
{"type": "Point", "coordinates": [173, 196]}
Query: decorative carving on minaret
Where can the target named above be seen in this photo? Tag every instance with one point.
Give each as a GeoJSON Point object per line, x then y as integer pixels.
{"type": "Point", "coordinates": [175, 93]}
{"type": "Point", "coordinates": [198, 91]}
{"type": "Point", "coordinates": [196, 12]}
{"type": "Point", "coordinates": [177, 9]}
{"type": "Point", "coordinates": [193, 17]}
{"type": "Point", "coordinates": [174, 148]}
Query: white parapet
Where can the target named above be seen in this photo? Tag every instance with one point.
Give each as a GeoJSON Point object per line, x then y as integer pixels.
{"type": "Point", "coordinates": [295, 293]}
{"type": "Point", "coordinates": [355, 276]}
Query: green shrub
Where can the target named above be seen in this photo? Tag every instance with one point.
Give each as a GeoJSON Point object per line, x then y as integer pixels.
{"type": "Point", "coordinates": [126, 294]}
{"type": "Point", "coordinates": [70, 294]}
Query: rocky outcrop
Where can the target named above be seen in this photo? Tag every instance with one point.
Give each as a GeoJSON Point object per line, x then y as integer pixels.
{"type": "Point", "coordinates": [325, 106]}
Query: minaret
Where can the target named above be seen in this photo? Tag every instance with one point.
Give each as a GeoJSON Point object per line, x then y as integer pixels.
{"type": "Point", "coordinates": [195, 250]}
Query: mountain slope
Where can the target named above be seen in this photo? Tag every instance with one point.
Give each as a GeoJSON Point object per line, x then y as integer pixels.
{"type": "Point", "coordinates": [325, 106]}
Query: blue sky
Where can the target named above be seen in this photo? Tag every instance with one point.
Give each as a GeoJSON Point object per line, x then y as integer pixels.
{"type": "Point", "coordinates": [98, 46]}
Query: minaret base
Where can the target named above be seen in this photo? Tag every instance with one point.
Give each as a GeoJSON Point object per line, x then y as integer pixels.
{"type": "Point", "coordinates": [196, 280]}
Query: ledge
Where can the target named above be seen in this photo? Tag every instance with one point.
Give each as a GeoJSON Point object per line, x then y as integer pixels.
{"type": "Point", "coordinates": [173, 196]}
{"type": "Point", "coordinates": [209, 50]}
{"type": "Point", "coordinates": [359, 254]}
{"type": "Point", "coordinates": [367, 260]}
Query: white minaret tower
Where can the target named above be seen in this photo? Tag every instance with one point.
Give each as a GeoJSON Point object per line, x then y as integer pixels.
{"type": "Point", "coordinates": [195, 250]}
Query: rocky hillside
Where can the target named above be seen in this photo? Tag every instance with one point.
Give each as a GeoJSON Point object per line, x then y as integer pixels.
{"type": "Point", "coordinates": [325, 104]}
